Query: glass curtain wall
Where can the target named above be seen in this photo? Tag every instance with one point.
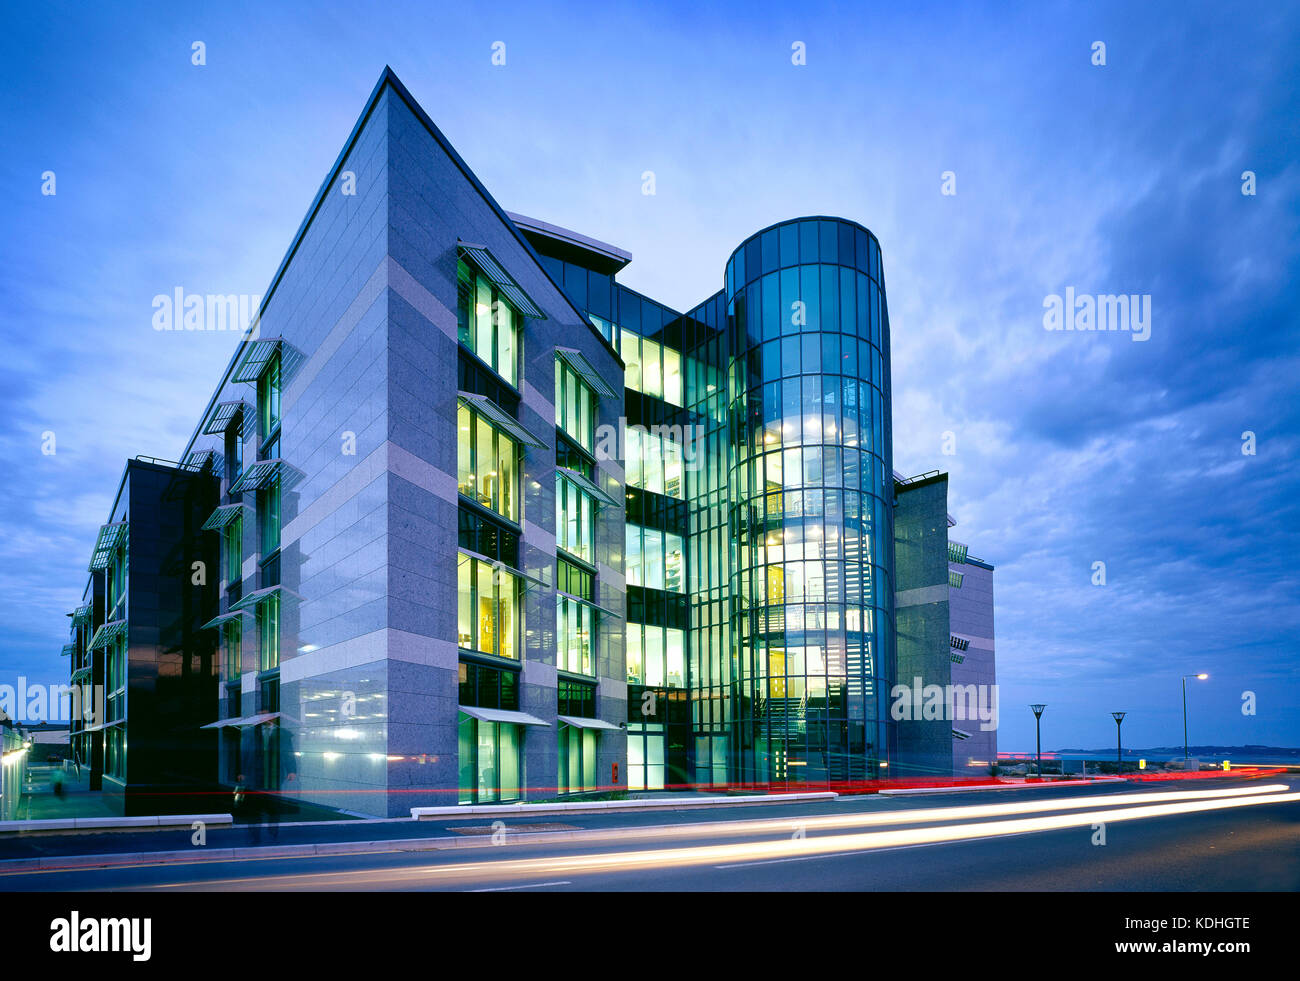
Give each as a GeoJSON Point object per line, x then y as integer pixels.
{"type": "Point", "coordinates": [810, 511]}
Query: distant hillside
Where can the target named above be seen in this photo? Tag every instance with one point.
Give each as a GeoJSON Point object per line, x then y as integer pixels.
{"type": "Point", "coordinates": [1215, 751]}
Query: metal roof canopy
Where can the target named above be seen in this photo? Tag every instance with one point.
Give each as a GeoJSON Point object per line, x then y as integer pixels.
{"type": "Point", "coordinates": [576, 360]}
{"type": "Point", "coordinates": [502, 715]}
{"type": "Point", "coordinates": [247, 720]}
{"type": "Point", "coordinates": [585, 483]}
{"type": "Point", "coordinates": [488, 265]}
{"type": "Point", "coordinates": [223, 618]}
{"type": "Point", "coordinates": [223, 412]}
{"type": "Point", "coordinates": [81, 615]}
{"type": "Point", "coordinates": [498, 564]}
{"type": "Point", "coordinates": [581, 723]}
{"type": "Point", "coordinates": [264, 472]}
{"type": "Point", "coordinates": [223, 516]}
{"type": "Point", "coordinates": [603, 611]}
{"type": "Point", "coordinates": [500, 418]}
{"type": "Point", "coordinates": [199, 459]}
{"type": "Point", "coordinates": [107, 633]}
{"type": "Point", "coordinates": [108, 539]}
{"type": "Point", "coordinates": [258, 354]}
{"type": "Point", "coordinates": [259, 596]}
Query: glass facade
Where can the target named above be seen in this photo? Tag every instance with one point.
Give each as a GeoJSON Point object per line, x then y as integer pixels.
{"type": "Point", "coordinates": [759, 534]}
{"type": "Point", "coordinates": [810, 504]}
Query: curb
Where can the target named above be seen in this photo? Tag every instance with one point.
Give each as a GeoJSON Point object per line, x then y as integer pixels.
{"type": "Point", "coordinates": [195, 856]}
{"type": "Point", "coordinates": [72, 826]}
{"type": "Point", "coordinates": [610, 806]}
{"type": "Point", "coordinates": [911, 791]}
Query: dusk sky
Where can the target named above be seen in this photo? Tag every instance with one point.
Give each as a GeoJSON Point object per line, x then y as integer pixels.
{"type": "Point", "coordinates": [1070, 448]}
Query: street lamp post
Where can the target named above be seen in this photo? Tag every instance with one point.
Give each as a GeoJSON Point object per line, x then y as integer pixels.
{"type": "Point", "coordinates": [1199, 677]}
{"type": "Point", "coordinates": [1038, 739]}
{"type": "Point", "coordinates": [1119, 742]}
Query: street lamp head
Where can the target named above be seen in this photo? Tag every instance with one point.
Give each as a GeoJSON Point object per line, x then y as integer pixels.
{"type": "Point", "coordinates": [1118, 716]}
{"type": "Point", "coordinates": [1202, 676]}
{"type": "Point", "coordinates": [1037, 710]}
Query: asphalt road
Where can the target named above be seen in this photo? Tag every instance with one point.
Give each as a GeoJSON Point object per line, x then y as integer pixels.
{"type": "Point", "coordinates": [1216, 835]}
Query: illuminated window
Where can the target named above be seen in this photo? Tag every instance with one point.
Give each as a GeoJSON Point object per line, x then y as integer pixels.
{"type": "Point", "coordinates": [486, 464]}
{"type": "Point", "coordinates": [575, 405]}
{"type": "Point", "coordinates": [575, 629]}
{"type": "Point", "coordinates": [233, 549]}
{"type": "Point", "coordinates": [654, 461]}
{"type": "Point", "coordinates": [232, 638]}
{"type": "Point", "coordinates": [651, 368]}
{"type": "Point", "coordinates": [655, 559]}
{"type": "Point", "coordinates": [645, 756]}
{"type": "Point", "coordinates": [656, 656]}
{"type": "Point", "coordinates": [489, 761]}
{"type": "Point", "coordinates": [577, 759]}
{"type": "Point", "coordinates": [268, 514]}
{"type": "Point", "coordinates": [575, 525]}
{"type": "Point", "coordinates": [268, 632]}
{"type": "Point", "coordinates": [487, 608]}
{"type": "Point", "coordinates": [486, 322]}
{"type": "Point", "coordinates": [268, 397]}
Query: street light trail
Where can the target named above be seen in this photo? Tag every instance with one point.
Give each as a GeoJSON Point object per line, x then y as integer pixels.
{"type": "Point", "coordinates": [462, 874]}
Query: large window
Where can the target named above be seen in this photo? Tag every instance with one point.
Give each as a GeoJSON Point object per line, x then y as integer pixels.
{"type": "Point", "coordinates": [268, 513]}
{"type": "Point", "coordinates": [116, 677]}
{"type": "Point", "coordinates": [115, 580]}
{"type": "Point", "coordinates": [645, 756]}
{"type": "Point", "coordinates": [115, 752]}
{"type": "Point", "coordinates": [656, 656]}
{"type": "Point", "coordinates": [654, 559]}
{"type": "Point", "coordinates": [235, 449]}
{"type": "Point", "coordinates": [487, 609]}
{"type": "Point", "coordinates": [576, 698]}
{"type": "Point", "coordinates": [487, 324]}
{"type": "Point", "coordinates": [268, 397]}
{"type": "Point", "coordinates": [233, 549]}
{"type": "Point", "coordinates": [575, 525]}
{"type": "Point", "coordinates": [575, 629]}
{"type": "Point", "coordinates": [575, 405]}
{"type": "Point", "coordinates": [486, 464]}
{"type": "Point", "coordinates": [232, 642]}
{"type": "Point", "coordinates": [577, 760]}
{"type": "Point", "coordinates": [654, 461]}
{"type": "Point", "coordinates": [268, 632]}
{"type": "Point", "coordinates": [651, 368]}
{"type": "Point", "coordinates": [484, 686]}
{"type": "Point", "coordinates": [489, 761]}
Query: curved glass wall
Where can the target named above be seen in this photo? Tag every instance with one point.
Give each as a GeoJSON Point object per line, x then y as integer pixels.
{"type": "Point", "coordinates": [810, 514]}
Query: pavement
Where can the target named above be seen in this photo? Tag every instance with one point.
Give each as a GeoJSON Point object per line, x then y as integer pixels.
{"type": "Point", "coordinates": [1224, 834]}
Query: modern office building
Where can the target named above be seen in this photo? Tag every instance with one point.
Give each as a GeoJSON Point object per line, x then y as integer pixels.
{"type": "Point", "coordinates": [142, 667]}
{"type": "Point", "coordinates": [487, 525]}
{"type": "Point", "coordinates": [970, 605]}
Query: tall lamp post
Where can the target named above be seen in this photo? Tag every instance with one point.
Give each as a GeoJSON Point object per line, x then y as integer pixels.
{"type": "Point", "coordinates": [1199, 677]}
{"type": "Point", "coordinates": [1038, 739]}
{"type": "Point", "coordinates": [1119, 742]}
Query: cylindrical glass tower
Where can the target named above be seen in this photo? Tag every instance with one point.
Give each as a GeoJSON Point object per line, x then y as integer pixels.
{"type": "Point", "coordinates": [811, 519]}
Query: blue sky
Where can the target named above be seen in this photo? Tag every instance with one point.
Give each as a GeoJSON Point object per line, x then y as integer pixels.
{"type": "Point", "coordinates": [1070, 448]}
